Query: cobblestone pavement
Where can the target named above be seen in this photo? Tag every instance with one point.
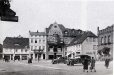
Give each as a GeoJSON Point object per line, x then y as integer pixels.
{"type": "Point", "coordinates": [44, 67]}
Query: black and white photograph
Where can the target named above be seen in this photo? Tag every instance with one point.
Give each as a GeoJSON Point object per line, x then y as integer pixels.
{"type": "Point", "coordinates": [56, 37]}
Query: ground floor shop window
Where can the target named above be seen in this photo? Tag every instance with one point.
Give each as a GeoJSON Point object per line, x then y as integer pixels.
{"type": "Point", "coordinates": [51, 56]}
{"type": "Point", "coordinates": [24, 57]}
{"type": "Point", "coordinates": [43, 56]}
{"type": "Point", "coordinates": [17, 57]}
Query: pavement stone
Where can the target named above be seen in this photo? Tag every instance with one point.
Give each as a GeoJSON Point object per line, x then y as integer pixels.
{"type": "Point", "coordinates": [46, 68]}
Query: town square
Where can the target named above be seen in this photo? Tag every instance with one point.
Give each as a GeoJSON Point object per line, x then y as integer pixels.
{"type": "Point", "coordinates": [56, 37]}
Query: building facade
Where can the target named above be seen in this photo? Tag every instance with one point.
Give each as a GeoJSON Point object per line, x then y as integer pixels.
{"type": "Point", "coordinates": [55, 40]}
{"type": "Point", "coordinates": [85, 43]}
{"type": "Point", "coordinates": [16, 48]}
{"type": "Point", "coordinates": [37, 43]}
{"type": "Point", "coordinates": [106, 39]}
{"type": "Point", "coordinates": [58, 37]}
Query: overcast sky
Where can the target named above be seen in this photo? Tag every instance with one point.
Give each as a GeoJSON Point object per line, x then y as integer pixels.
{"type": "Point", "coordinates": [38, 14]}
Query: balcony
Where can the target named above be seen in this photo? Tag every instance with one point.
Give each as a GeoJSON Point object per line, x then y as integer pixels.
{"type": "Point", "coordinates": [38, 51]}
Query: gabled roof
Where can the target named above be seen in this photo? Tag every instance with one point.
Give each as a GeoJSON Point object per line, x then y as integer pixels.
{"type": "Point", "coordinates": [80, 38]}
{"type": "Point", "coordinates": [60, 26]}
{"type": "Point", "coordinates": [15, 42]}
{"type": "Point", "coordinates": [75, 40]}
{"type": "Point", "coordinates": [70, 32]}
{"type": "Point", "coordinates": [37, 33]}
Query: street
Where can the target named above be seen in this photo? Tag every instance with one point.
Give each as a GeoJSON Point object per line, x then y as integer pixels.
{"type": "Point", "coordinates": [44, 67]}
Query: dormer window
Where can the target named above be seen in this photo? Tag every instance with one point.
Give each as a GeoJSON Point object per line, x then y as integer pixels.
{"type": "Point", "coordinates": [35, 35]}
{"type": "Point", "coordinates": [55, 26]}
{"type": "Point", "coordinates": [35, 40]}
{"type": "Point", "coordinates": [66, 32]}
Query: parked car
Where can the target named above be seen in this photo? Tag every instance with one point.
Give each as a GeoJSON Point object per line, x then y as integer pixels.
{"type": "Point", "coordinates": [78, 60]}
{"type": "Point", "coordinates": [73, 61]}
{"type": "Point", "coordinates": [59, 60]}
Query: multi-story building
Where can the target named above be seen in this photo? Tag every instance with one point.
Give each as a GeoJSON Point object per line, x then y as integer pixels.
{"type": "Point", "coordinates": [57, 38]}
{"type": "Point", "coordinates": [85, 43]}
{"type": "Point", "coordinates": [37, 43]}
{"type": "Point", "coordinates": [106, 39]}
{"type": "Point", "coordinates": [16, 48]}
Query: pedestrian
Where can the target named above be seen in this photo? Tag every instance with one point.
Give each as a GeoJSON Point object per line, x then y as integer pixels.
{"type": "Point", "coordinates": [107, 61]}
{"type": "Point", "coordinates": [92, 66]}
{"type": "Point", "coordinates": [85, 64]}
{"type": "Point", "coordinates": [38, 58]}
{"type": "Point", "coordinates": [29, 60]}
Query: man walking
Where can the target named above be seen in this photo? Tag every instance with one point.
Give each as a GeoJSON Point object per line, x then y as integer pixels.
{"type": "Point", "coordinates": [85, 64]}
{"type": "Point", "coordinates": [107, 60]}
{"type": "Point", "coordinates": [92, 67]}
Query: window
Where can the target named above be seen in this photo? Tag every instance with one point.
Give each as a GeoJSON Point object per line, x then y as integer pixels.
{"type": "Point", "coordinates": [109, 39]}
{"type": "Point", "coordinates": [102, 41]}
{"type": "Point", "coordinates": [35, 35]}
{"type": "Point", "coordinates": [35, 40]}
{"type": "Point", "coordinates": [94, 47]}
{"type": "Point", "coordinates": [65, 53]}
{"type": "Point", "coordinates": [39, 47]}
{"type": "Point", "coordinates": [35, 47]}
{"type": "Point", "coordinates": [31, 40]}
{"type": "Point", "coordinates": [43, 47]}
{"type": "Point", "coordinates": [25, 50]}
{"type": "Point", "coordinates": [31, 47]}
{"type": "Point", "coordinates": [39, 41]}
{"type": "Point", "coordinates": [55, 26]}
{"type": "Point", "coordinates": [66, 32]}
{"type": "Point", "coordinates": [43, 41]}
{"type": "Point", "coordinates": [16, 50]}
{"type": "Point", "coordinates": [43, 36]}
{"type": "Point", "coordinates": [77, 52]}
{"type": "Point", "coordinates": [105, 39]}
{"type": "Point", "coordinates": [90, 39]}
{"type": "Point", "coordinates": [94, 40]}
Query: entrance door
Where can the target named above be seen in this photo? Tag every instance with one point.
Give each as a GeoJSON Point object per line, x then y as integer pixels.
{"type": "Point", "coordinates": [43, 56]}
{"type": "Point", "coordinates": [36, 55]}
{"type": "Point", "coordinates": [50, 56]}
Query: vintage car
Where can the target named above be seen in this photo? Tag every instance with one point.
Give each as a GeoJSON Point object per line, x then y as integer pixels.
{"type": "Point", "coordinates": [59, 60]}
{"type": "Point", "coordinates": [78, 60]}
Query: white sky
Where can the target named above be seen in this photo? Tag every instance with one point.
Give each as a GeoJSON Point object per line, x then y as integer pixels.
{"type": "Point", "coordinates": [38, 14]}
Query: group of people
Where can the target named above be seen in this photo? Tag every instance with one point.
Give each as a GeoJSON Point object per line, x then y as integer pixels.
{"type": "Point", "coordinates": [87, 62]}
{"type": "Point", "coordinates": [30, 59]}
{"type": "Point", "coordinates": [92, 62]}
